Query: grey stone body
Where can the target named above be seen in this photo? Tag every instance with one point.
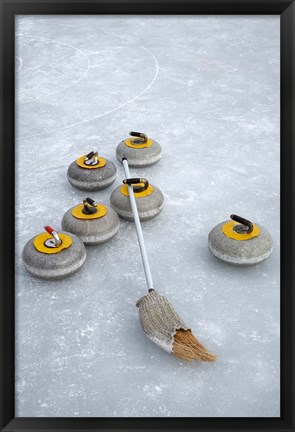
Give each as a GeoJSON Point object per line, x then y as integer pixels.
{"type": "Point", "coordinates": [92, 179]}
{"type": "Point", "coordinates": [139, 157]}
{"type": "Point", "coordinates": [237, 252]}
{"type": "Point", "coordinates": [54, 266]}
{"type": "Point", "coordinates": [148, 206]}
{"type": "Point", "coordinates": [159, 320]}
{"type": "Point", "coordinates": [92, 231]}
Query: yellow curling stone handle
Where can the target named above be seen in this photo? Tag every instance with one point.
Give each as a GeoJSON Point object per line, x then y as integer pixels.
{"type": "Point", "coordinates": [39, 243]}
{"type": "Point", "coordinates": [77, 212]}
{"type": "Point", "coordinates": [227, 230]}
{"type": "Point", "coordinates": [148, 191]}
{"type": "Point", "coordinates": [129, 143]}
{"type": "Point", "coordinates": [80, 162]}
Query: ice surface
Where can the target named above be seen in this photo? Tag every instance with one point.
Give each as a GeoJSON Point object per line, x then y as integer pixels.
{"type": "Point", "coordinates": [206, 88]}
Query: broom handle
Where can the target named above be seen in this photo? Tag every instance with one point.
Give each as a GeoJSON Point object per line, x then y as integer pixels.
{"type": "Point", "coordinates": [144, 257]}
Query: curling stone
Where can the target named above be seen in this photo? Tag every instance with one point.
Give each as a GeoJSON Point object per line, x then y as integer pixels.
{"type": "Point", "coordinates": [240, 242]}
{"type": "Point", "coordinates": [94, 223]}
{"type": "Point", "coordinates": [140, 152]}
{"type": "Point", "coordinates": [53, 255]}
{"type": "Point", "coordinates": [149, 199]}
{"type": "Point", "coordinates": [91, 173]}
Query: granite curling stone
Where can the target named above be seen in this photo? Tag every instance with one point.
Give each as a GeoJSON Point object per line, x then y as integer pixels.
{"type": "Point", "coordinates": [93, 223]}
{"type": "Point", "coordinates": [52, 256]}
{"type": "Point", "coordinates": [140, 152]}
{"type": "Point", "coordinates": [92, 172]}
{"type": "Point", "coordinates": [240, 242]}
{"type": "Point", "coordinates": [149, 199]}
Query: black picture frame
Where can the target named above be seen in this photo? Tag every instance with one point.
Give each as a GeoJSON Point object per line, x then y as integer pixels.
{"type": "Point", "coordinates": [8, 10]}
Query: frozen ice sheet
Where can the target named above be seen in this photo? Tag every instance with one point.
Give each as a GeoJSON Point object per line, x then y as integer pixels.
{"type": "Point", "coordinates": [207, 88]}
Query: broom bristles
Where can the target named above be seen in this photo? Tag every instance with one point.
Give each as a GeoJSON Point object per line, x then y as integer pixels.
{"type": "Point", "coordinates": [186, 347]}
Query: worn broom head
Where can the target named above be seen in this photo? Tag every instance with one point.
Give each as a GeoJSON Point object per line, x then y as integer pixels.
{"type": "Point", "coordinates": [165, 328]}
{"type": "Point", "coordinates": [188, 348]}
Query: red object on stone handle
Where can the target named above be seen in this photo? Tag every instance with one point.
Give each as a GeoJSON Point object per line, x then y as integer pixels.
{"type": "Point", "coordinates": [49, 229]}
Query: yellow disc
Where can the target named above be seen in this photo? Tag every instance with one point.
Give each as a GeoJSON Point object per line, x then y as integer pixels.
{"type": "Point", "coordinates": [148, 191]}
{"type": "Point", "coordinates": [80, 162]}
{"type": "Point", "coordinates": [227, 229]}
{"type": "Point", "coordinates": [129, 143]}
{"type": "Point", "coordinates": [77, 212]}
{"type": "Point", "coordinates": [39, 243]}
